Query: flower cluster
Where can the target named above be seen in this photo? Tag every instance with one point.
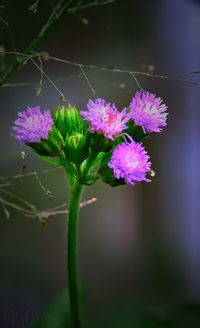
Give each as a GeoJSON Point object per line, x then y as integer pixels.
{"type": "Point", "coordinates": [146, 110]}
{"type": "Point", "coordinates": [127, 160]}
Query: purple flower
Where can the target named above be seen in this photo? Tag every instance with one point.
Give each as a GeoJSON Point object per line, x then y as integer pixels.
{"type": "Point", "coordinates": [104, 118]}
{"type": "Point", "coordinates": [32, 126]}
{"type": "Point", "coordinates": [148, 111]}
{"type": "Point", "coordinates": [130, 162]}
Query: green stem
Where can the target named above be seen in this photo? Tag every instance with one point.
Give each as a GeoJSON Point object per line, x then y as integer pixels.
{"type": "Point", "coordinates": [72, 251]}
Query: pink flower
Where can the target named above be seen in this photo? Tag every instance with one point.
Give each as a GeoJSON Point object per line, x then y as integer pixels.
{"type": "Point", "coordinates": [148, 111]}
{"type": "Point", "coordinates": [32, 126]}
{"type": "Point", "coordinates": [130, 162]}
{"type": "Point", "coordinates": [104, 118]}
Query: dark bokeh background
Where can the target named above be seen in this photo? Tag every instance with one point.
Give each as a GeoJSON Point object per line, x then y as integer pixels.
{"type": "Point", "coordinates": [139, 258]}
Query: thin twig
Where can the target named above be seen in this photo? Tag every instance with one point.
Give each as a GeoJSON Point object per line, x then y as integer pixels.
{"type": "Point", "coordinates": [54, 17]}
{"type": "Point", "coordinates": [30, 173]}
{"type": "Point", "coordinates": [45, 29]}
{"type": "Point", "coordinates": [34, 6]}
{"type": "Point", "coordinates": [39, 90]}
{"type": "Point", "coordinates": [174, 77]}
{"type": "Point", "coordinates": [48, 78]}
{"type": "Point", "coordinates": [47, 192]}
{"type": "Point", "coordinates": [54, 211]}
{"type": "Point", "coordinates": [46, 214]}
{"type": "Point", "coordinates": [12, 39]}
{"type": "Point", "coordinates": [19, 199]}
{"type": "Point", "coordinates": [137, 82]}
{"type": "Point", "coordinates": [92, 4]}
{"type": "Point", "coordinates": [15, 206]}
{"type": "Point", "coordinates": [88, 81]}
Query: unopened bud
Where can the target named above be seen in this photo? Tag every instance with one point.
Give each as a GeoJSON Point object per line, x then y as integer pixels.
{"type": "Point", "coordinates": [152, 173]}
{"type": "Point", "coordinates": [23, 155]}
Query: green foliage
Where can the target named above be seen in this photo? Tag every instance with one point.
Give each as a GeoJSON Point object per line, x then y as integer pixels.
{"type": "Point", "coordinates": [56, 315]}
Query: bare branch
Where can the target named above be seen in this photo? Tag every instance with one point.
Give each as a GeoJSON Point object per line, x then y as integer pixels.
{"type": "Point", "coordinates": [49, 213]}
{"type": "Point", "coordinates": [40, 215]}
{"type": "Point", "coordinates": [88, 81]}
{"type": "Point", "coordinates": [30, 173]}
{"type": "Point", "coordinates": [174, 77]}
{"type": "Point", "coordinates": [56, 14]}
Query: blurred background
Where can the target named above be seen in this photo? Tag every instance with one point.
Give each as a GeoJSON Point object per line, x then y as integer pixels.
{"type": "Point", "coordinates": [139, 259]}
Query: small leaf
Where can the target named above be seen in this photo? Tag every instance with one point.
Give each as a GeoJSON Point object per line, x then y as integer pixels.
{"type": "Point", "coordinates": [107, 174]}
{"type": "Point", "coordinates": [90, 179]}
{"type": "Point", "coordinates": [51, 160]}
{"type": "Point", "coordinates": [98, 160]}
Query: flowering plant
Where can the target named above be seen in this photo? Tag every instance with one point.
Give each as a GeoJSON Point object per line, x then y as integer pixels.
{"type": "Point", "coordinates": [97, 143]}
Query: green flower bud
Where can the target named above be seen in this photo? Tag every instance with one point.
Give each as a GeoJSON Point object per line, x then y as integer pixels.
{"type": "Point", "coordinates": [76, 148]}
{"type": "Point", "coordinates": [68, 121]}
{"type": "Point", "coordinates": [74, 132]}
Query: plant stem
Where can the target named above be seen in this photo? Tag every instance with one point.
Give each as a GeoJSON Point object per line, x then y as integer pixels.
{"type": "Point", "coordinates": [72, 251]}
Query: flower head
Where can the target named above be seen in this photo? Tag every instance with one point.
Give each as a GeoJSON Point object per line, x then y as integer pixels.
{"type": "Point", "coordinates": [32, 126]}
{"type": "Point", "coordinates": [148, 111]}
{"type": "Point", "coordinates": [130, 162]}
{"type": "Point", "coordinates": [104, 118]}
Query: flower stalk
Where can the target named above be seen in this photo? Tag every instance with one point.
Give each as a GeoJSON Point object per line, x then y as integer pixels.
{"type": "Point", "coordinates": [72, 234]}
